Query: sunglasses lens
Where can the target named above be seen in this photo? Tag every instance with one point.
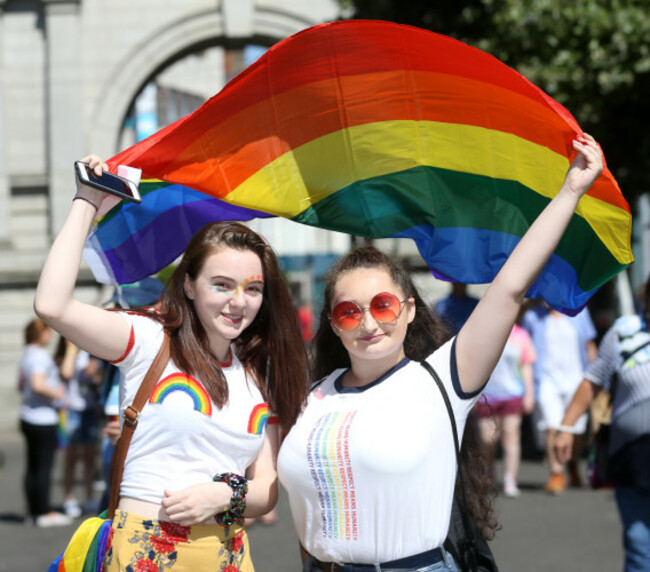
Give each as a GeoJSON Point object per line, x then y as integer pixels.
{"type": "Point", "coordinates": [385, 307]}
{"type": "Point", "coordinates": [346, 316]}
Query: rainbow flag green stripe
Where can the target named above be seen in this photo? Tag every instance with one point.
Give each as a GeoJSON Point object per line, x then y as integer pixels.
{"type": "Point", "coordinates": [455, 200]}
{"type": "Point", "coordinates": [382, 130]}
{"type": "Point", "coordinates": [459, 148]}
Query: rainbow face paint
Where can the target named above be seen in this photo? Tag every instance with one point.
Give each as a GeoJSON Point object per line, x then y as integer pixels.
{"type": "Point", "coordinates": [254, 284]}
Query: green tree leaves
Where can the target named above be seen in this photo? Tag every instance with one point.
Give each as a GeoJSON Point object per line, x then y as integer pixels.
{"type": "Point", "coordinates": [593, 56]}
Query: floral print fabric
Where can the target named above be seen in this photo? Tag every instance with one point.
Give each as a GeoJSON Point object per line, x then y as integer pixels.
{"type": "Point", "coordinates": [144, 545]}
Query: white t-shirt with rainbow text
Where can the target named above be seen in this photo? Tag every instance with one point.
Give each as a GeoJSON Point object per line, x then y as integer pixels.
{"type": "Point", "coordinates": [370, 472]}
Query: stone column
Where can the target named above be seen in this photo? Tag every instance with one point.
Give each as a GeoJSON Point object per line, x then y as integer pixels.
{"type": "Point", "coordinates": [64, 103]}
{"type": "Point", "coordinates": [4, 177]}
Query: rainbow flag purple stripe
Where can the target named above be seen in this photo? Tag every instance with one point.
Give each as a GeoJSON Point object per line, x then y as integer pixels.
{"type": "Point", "coordinates": [136, 241]}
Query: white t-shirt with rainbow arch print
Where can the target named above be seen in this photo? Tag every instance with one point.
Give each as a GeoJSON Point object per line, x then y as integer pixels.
{"type": "Point", "coordinates": [182, 438]}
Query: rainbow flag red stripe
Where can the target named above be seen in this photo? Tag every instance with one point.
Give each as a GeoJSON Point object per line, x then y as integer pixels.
{"type": "Point", "coordinates": [382, 130]}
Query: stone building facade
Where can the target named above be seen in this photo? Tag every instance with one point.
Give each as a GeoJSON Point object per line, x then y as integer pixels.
{"type": "Point", "coordinates": [69, 73]}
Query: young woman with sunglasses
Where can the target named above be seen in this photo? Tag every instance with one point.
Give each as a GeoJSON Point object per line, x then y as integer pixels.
{"type": "Point", "coordinates": [370, 464]}
{"type": "Point", "coordinates": [204, 449]}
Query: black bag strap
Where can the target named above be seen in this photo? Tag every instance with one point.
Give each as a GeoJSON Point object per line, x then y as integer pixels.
{"type": "Point", "coordinates": [462, 496]}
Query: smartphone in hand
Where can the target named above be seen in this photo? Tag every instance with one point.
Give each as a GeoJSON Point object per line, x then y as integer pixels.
{"type": "Point", "coordinates": [109, 183]}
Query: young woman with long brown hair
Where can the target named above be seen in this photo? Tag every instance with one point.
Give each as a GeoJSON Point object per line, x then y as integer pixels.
{"type": "Point", "coordinates": [370, 464]}
{"type": "Point", "coordinates": [237, 361]}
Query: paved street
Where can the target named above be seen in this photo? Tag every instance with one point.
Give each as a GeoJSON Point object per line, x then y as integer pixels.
{"type": "Point", "coordinates": [578, 531]}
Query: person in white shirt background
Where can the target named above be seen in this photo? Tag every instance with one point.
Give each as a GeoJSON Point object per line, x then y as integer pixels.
{"type": "Point", "coordinates": [41, 394]}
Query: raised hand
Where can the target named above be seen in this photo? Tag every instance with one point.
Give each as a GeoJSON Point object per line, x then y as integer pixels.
{"type": "Point", "coordinates": [587, 165]}
{"type": "Point", "coordinates": [87, 193]}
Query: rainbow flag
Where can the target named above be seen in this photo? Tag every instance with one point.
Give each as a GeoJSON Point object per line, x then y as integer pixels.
{"type": "Point", "coordinates": [378, 130]}
{"type": "Point", "coordinates": [87, 547]}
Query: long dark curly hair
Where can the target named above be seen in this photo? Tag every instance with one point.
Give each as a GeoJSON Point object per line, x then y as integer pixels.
{"type": "Point", "coordinates": [270, 348]}
{"type": "Point", "coordinates": [425, 334]}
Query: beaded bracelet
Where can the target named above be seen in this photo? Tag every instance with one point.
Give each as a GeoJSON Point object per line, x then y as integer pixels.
{"type": "Point", "coordinates": [239, 486]}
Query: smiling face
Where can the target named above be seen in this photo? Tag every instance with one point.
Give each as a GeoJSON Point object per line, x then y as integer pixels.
{"type": "Point", "coordinates": [372, 340]}
{"type": "Point", "coordinates": [227, 294]}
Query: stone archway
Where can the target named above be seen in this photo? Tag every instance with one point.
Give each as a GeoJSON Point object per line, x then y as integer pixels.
{"type": "Point", "coordinates": [162, 47]}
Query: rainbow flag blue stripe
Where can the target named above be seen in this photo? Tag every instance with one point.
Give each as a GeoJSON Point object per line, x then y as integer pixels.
{"type": "Point", "coordinates": [138, 240]}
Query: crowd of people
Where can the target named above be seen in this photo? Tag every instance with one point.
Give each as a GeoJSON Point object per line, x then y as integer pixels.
{"type": "Point", "coordinates": [540, 368]}
{"type": "Point", "coordinates": [241, 404]}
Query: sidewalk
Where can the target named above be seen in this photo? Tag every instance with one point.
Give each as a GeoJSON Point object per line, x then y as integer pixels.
{"type": "Point", "coordinates": [578, 531]}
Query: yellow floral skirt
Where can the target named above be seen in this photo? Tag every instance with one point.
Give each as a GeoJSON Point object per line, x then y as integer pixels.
{"type": "Point", "coordinates": [137, 544]}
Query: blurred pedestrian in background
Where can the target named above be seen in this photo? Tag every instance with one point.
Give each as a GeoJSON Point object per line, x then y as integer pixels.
{"type": "Point", "coordinates": [564, 347]}
{"type": "Point", "coordinates": [41, 392]}
{"type": "Point", "coordinates": [508, 395]}
{"type": "Point", "coordinates": [306, 321]}
{"type": "Point", "coordinates": [456, 308]}
{"type": "Point", "coordinates": [623, 369]}
{"type": "Point", "coordinates": [83, 376]}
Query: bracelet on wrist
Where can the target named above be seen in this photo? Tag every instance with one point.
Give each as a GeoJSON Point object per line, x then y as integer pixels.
{"type": "Point", "coordinates": [239, 486]}
{"type": "Point", "coordinates": [87, 200]}
{"type": "Point", "coordinates": [567, 429]}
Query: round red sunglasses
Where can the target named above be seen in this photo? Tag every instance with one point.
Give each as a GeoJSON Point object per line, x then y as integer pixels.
{"type": "Point", "coordinates": [384, 307]}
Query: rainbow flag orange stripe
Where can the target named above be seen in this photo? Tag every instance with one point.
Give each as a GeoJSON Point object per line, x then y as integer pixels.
{"type": "Point", "coordinates": [378, 130]}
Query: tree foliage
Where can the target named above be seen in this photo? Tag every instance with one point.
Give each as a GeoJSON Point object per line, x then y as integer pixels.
{"type": "Point", "coordinates": [593, 56]}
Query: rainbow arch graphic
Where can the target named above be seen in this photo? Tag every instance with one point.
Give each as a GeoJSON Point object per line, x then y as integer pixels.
{"type": "Point", "coordinates": [259, 418]}
{"type": "Point", "coordinates": [185, 384]}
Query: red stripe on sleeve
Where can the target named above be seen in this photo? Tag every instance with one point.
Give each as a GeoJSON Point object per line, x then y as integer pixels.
{"type": "Point", "coordinates": [129, 347]}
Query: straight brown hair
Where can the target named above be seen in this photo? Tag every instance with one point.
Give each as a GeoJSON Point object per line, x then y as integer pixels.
{"type": "Point", "coordinates": [271, 348]}
{"type": "Point", "coordinates": [34, 329]}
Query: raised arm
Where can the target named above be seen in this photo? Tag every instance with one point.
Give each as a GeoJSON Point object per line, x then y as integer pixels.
{"type": "Point", "coordinates": [99, 332]}
{"type": "Point", "coordinates": [482, 338]}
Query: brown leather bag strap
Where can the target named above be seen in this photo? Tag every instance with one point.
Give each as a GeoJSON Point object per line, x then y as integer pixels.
{"type": "Point", "coordinates": [131, 418]}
